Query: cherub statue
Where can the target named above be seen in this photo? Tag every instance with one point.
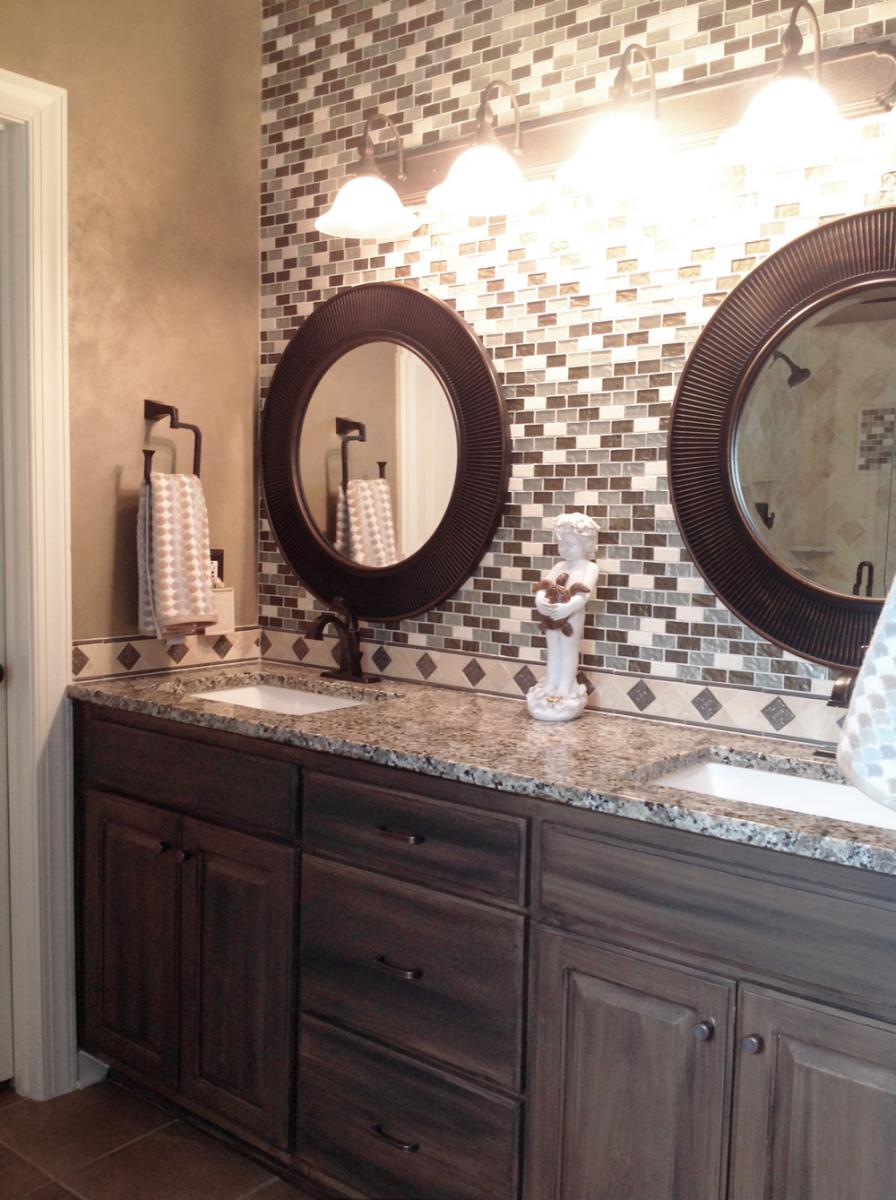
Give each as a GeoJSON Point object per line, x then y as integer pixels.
{"type": "Point", "coordinates": [560, 600]}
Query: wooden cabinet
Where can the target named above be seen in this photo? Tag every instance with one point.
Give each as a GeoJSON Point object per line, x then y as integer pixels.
{"type": "Point", "coordinates": [188, 960]}
{"type": "Point", "coordinates": [815, 1103]}
{"type": "Point", "coordinates": [631, 1077]}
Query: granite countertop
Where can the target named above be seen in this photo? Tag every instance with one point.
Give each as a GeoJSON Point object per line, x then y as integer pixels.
{"type": "Point", "coordinates": [602, 762]}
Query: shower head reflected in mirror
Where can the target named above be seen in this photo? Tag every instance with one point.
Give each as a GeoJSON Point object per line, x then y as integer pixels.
{"type": "Point", "coordinates": [797, 375]}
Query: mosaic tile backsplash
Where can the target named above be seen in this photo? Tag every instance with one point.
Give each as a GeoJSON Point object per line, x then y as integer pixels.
{"type": "Point", "coordinates": [588, 311]}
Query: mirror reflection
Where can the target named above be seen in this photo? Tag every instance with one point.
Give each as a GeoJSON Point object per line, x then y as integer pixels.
{"type": "Point", "coordinates": [815, 446]}
{"type": "Point", "coordinates": [377, 453]}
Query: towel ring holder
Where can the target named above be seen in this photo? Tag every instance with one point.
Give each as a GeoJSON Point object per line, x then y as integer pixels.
{"type": "Point", "coordinates": [153, 411]}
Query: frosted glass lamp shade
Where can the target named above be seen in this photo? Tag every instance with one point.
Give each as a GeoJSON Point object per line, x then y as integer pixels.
{"type": "Point", "coordinates": [368, 208]}
{"type": "Point", "coordinates": [484, 181]}
{"type": "Point", "coordinates": [791, 123]}
{"type": "Point", "coordinates": [621, 155]}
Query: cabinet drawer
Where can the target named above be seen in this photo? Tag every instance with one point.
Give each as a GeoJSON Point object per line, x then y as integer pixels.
{"type": "Point", "coordinates": [242, 789]}
{"type": "Point", "coordinates": [825, 942]}
{"type": "Point", "coordinates": [429, 973]}
{"type": "Point", "coordinates": [394, 1129]}
{"type": "Point", "coordinates": [428, 841]}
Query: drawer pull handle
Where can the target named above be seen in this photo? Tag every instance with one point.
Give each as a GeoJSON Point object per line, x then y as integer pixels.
{"type": "Point", "coordinates": [402, 972]}
{"type": "Point", "coordinates": [407, 1147]}
{"type": "Point", "coordinates": [411, 839]}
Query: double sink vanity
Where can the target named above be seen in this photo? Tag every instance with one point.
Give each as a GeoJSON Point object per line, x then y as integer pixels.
{"type": "Point", "coordinates": [408, 947]}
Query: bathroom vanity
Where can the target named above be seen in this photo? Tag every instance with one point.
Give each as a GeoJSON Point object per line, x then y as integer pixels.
{"type": "Point", "coordinates": [426, 947]}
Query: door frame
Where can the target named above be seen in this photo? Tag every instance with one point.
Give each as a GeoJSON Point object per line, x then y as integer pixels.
{"type": "Point", "coordinates": [37, 574]}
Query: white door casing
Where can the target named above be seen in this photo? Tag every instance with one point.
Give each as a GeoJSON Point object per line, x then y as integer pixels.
{"type": "Point", "coordinates": [37, 570]}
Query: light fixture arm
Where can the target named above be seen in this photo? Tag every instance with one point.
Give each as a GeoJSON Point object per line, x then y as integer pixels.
{"type": "Point", "coordinates": [485, 118]}
{"type": "Point", "coordinates": [369, 165]}
{"type": "Point", "coordinates": [623, 89]}
{"type": "Point", "coordinates": [792, 42]}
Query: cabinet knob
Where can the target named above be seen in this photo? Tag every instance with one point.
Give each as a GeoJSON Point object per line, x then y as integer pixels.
{"type": "Point", "coordinates": [184, 855]}
{"type": "Point", "coordinates": [704, 1030]}
{"type": "Point", "coordinates": [401, 972]}
{"type": "Point", "coordinates": [752, 1044]}
{"type": "Point", "coordinates": [397, 1143]}
{"type": "Point", "coordinates": [161, 847]}
{"type": "Point", "coordinates": [410, 839]}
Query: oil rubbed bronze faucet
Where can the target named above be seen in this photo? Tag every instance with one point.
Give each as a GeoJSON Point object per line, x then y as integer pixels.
{"type": "Point", "coordinates": [345, 623]}
{"type": "Point", "coordinates": [841, 692]}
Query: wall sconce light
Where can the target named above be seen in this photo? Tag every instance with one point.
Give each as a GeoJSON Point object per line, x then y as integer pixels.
{"type": "Point", "coordinates": [484, 180]}
{"type": "Point", "coordinates": [792, 121]}
{"type": "Point", "coordinates": [618, 156]}
{"type": "Point", "coordinates": [366, 206]}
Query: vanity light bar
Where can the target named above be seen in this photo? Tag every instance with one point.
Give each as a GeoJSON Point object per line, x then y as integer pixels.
{"type": "Point", "coordinates": [862, 82]}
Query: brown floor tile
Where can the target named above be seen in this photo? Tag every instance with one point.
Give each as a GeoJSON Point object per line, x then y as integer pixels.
{"type": "Point", "coordinates": [282, 1191]}
{"type": "Point", "coordinates": [175, 1163]}
{"type": "Point", "coordinates": [17, 1177]}
{"type": "Point", "coordinates": [63, 1134]}
{"type": "Point", "coordinates": [8, 1096]}
{"type": "Point", "coordinates": [53, 1191]}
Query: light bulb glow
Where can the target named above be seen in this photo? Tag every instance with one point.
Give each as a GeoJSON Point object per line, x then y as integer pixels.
{"type": "Point", "coordinates": [791, 123]}
{"type": "Point", "coordinates": [621, 155]}
{"type": "Point", "coordinates": [368, 208]}
{"type": "Point", "coordinates": [484, 181]}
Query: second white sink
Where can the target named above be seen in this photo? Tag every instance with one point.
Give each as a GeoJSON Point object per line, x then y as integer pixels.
{"type": "Point", "coordinates": [268, 698]}
{"type": "Point", "coordinates": [839, 801]}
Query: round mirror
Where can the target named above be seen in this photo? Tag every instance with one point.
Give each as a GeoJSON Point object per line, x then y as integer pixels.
{"type": "Point", "coordinates": [377, 454]}
{"type": "Point", "coordinates": [814, 445]}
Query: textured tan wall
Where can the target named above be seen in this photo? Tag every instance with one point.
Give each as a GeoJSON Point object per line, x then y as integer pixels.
{"type": "Point", "coordinates": [164, 102]}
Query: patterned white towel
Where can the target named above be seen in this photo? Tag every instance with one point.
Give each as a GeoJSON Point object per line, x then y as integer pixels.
{"type": "Point", "coordinates": [867, 751]}
{"type": "Point", "coordinates": [175, 591]}
{"type": "Point", "coordinates": [371, 532]}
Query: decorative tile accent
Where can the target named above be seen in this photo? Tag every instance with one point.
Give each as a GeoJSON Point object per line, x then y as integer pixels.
{"type": "Point", "coordinates": [706, 704]}
{"type": "Point", "coordinates": [474, 672]}
{"type": "Point", "coordinates": [778, 714]}
{"type": "Point", "coordinates": [524, 679]}
{"type": "Point", "coordinates": [222, 646]}
{"type": "Point", "coordinates": [178, 652]}
{"type": "Point", "coordinates": [264, 643]}
{"type": "Point", "coordinates": [129, 657]}
{"type": "Point", "coordinates": [877, 438]}
{"type": "Point", "coordinates": [425, 666]}
{"type": "Point", "coordinates": [641, 696]}
{"type": "Point", "coordinates": [79, 660]}
{"type": "Point", "coordinates": [381, 658]}
{"type": "Point", "coordinates": [300, 649]}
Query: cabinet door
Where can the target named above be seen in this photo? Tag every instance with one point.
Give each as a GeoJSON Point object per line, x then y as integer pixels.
{"type": "Point", "coordinates": [237, 979]}
{"type": "Point", "coordinates": [631, 1075]}
{"type": "Point", "coordinates": [815, 1103]}
{"type": "Point", "coordinates": [131, 947]}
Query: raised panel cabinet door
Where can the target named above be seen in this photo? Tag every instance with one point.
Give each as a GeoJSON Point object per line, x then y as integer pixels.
{"type": "Point", "coordinates": [814, 1103]}
{"type": "Point", "coordinates": [237, 979]}
{"type": "Point", "coordinates": [131, 941]}
{"type": "Point", "coordinates": [631, 1077]}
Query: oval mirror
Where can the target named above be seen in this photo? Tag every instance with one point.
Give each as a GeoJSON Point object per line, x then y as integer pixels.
{"type": "Point", "coordinates": [385, 451]}
{"type": "Point", "coordinates": [814, 445]}
{"type": "Point", "coordinates": [783, 436]}
{"type": "Point", "coordinates": [377, 454]}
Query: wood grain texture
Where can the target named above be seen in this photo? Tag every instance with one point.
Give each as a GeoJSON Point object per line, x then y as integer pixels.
{"type": "Point", "coordinates": [355, 1096]}
{"type": "Point", "coordinates": [439, 844]}
{"type": "Point", "coordinates": [626, 1101]}
{"type": "Point", "coordinates": [362, 935]}
{"type": "Point", "coordinates": [237, 978]}
{"type": "Point", "coordinates": [815, 1111]}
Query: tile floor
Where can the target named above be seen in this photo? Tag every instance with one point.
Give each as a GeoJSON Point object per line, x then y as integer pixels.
{"type": "Point", "coordinates": [105, 1143]}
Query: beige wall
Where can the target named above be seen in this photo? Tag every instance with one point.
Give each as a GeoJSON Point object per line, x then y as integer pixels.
{"type": "Point", "coordinates": [163, 238]}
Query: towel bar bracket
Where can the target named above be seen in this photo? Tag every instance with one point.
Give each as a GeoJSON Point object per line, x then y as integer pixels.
{"type": "Point", "coordinates": [153, 411]}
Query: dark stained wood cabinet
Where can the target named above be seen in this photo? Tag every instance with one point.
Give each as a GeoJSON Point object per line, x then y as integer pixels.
{"type": "Point", "coordinates": [631, 1077]}
{"type": "Point", "coordinates": [466, 995]}
{"type": "Point", "coordinates": [814, 1103]}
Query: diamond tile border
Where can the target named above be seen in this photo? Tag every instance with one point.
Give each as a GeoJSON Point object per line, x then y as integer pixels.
{"type": "Point", "coordinates": [739, 710]}
{"type": "Point", "coordinates": [108, 658]}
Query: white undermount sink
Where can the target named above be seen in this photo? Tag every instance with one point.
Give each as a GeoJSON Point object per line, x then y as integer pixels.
{"type": "Point", "coordinates": [268, 698]}
{"type": "Point", "coordinates": [795, 793]}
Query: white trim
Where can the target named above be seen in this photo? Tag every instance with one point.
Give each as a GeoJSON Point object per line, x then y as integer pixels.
{"type": "Point", "coordinates": [35, 466]}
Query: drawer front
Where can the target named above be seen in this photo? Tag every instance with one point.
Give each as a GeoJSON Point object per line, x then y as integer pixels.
{"type": "Point", "coordinates": [425, 972]}
{"type": "Point", "coordinates": [428, 841]}
{"type": "Point", "coordinates": [242, 789]}
{"type": "Point", "coordinates": [824, 942]}
{"type": "Point", "coordinates": [394, 1129]}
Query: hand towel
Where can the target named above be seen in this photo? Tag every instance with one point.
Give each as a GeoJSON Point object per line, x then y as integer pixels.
{"type": "Point", "coordinates": [867, 751]}
{"type": "Point", "coordinates": [175, 591]}
{"type": "Point", "coordinates": [371, 531]}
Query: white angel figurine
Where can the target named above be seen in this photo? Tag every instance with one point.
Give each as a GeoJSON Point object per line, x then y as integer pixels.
{"type": "Point", "coordinates": [560, 599]}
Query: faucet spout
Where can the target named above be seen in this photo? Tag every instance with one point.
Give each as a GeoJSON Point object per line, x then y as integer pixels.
{"type": "Point", "coordinates": [345, 626]}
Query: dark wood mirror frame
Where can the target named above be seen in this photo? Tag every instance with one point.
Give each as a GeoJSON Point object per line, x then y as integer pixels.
{"type": "Point", "coordinates": [837, 258]}
{"type": "Point", "coordinates": [401, 314]}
